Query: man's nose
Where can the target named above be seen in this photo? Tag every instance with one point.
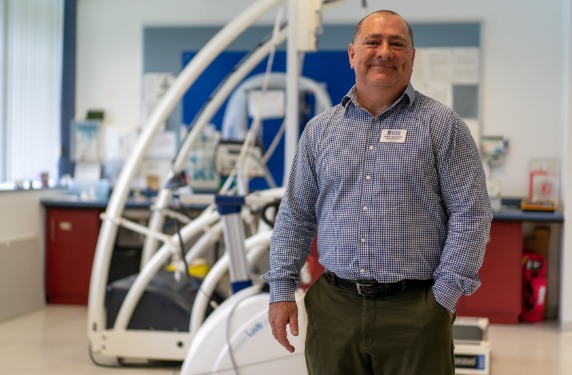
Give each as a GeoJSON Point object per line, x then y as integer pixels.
{"type": "Point", "coordinates": [384, 52]}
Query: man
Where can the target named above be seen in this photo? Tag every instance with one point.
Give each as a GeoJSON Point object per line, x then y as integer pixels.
{"type": "Point", "coordinates": [392, 181]}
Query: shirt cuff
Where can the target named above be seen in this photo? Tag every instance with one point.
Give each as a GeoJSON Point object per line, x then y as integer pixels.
{"type": "Point", "coordinates": [446, 296]}
{"type": "Point", "coordinates": [282, 290]}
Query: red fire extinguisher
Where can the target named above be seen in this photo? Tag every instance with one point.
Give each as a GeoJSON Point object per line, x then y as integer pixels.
{"type": "Point", "coordinates": [534, 287]}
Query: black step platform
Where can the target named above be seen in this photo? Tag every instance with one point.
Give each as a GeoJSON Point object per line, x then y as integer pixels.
{"type": "Point", "coordinates": [165, 305]}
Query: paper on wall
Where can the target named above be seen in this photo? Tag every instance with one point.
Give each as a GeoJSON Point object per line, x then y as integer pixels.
{"type": "Point", "coordinates": [86, 171]}
{"type": "Point", "coordinates": [154, 86]}
{"type": "Point", "coordinates": [474, 128]}
{"type": "Point", "coordinates": [466, 65]}
{"type": "Point", "coordinates": [420, 74]}
{"type": "Point", "coordinates": [86, 141]}
{"type": "Point", "coordinates": [452, 65]}
{"type": "Point", "coordinates": [439, 64]}
{"type": "Point", "coordinates": [118, 142]}
{"type": "Point", "coordinates": [440, 91]}
{"type": "Point", "coordinates": [163, 146]}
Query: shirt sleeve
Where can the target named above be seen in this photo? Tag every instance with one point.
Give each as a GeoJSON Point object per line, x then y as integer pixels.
{"type": "Point", "coordinates": [465, 197]}
{"type": "Point", "coordinates": [295, 224]}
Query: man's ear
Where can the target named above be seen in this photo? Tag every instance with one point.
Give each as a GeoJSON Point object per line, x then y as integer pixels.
{"type": "Point", "coordinates": [351, 53]}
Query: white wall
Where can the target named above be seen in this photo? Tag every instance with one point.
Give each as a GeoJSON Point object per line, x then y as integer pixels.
{"type": "Point", "coordinates": [22, 251]}
{"type": "Point", "coordinates": [524, 48]}
{"type": "Point", "coordinates": [566, 256]}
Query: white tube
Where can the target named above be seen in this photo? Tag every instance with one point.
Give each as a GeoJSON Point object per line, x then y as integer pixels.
{"type": "Point", "coordinates": [141, 229]}
{"type": "Point", "coordinates": [211, 236]}
{"type": "Point", "coordinates": [156, 222]}
{"type": "Point", "coordinates": [255, 246]}
{"type": "Point", "coordinates": [293, 73]}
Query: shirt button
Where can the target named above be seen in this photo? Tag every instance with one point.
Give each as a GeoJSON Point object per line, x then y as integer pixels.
{"type": "Point", "coordinates": [368, 177]}
{"type": "Point", "coordinates": [370, 147]}
{"type": "Point", "coordinates": [362, 271]}
{"type": "Point", "coordinates": [365, 208]}
{"type": "Point", "coordinates": [362, 239]}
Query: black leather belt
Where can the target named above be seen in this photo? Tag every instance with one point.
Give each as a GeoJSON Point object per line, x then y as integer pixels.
{"type": "Point", "coordinates": [372, 288]}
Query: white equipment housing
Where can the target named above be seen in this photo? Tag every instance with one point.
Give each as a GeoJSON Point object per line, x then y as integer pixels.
{"type": "Point", "coordinates": [473, 357]}
{"type": "Point", "coordinates": [237, 338]}
{"type": "Point", "coordinates": [472, 347]}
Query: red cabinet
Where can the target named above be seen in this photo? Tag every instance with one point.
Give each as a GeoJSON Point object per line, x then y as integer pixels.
{"type": "Point", "coordinates": [71, 238]}
{"type": "Point", "coordinates": [500, 295]}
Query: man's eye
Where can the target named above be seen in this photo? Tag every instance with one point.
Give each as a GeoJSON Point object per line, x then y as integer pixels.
{"type": "Point", "coordinates": [371, 42]}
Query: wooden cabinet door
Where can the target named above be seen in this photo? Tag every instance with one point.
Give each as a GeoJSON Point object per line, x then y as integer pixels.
{"type": "Point", "coordinates": [71, 239]}
{"type": "Point", "coordinates": [500, 296]}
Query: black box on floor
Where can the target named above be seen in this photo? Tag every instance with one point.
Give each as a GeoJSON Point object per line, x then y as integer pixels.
{"type": "Point", "coordinates": [165, 305]}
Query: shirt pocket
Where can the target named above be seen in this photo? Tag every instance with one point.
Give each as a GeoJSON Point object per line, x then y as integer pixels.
{"type": "Point", "coordinates": [405, 165]}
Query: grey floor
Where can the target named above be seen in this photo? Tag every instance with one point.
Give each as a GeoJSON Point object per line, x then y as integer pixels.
{"type": "Point", "coordinates": [53, 341]}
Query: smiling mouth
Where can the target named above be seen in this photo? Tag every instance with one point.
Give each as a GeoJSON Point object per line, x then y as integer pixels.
{"type": "Point", "coordinates": [382, 67]}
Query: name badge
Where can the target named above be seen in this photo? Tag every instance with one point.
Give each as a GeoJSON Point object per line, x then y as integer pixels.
{"type": "Point", "coordinates": [393, 135]}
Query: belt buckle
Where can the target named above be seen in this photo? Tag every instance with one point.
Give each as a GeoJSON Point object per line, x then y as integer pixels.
{"type": "Point", "coordinates": [359, 285]}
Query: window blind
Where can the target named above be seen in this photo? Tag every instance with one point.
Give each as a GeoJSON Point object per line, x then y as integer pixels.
{"type": "Point", "coordinates": [33, 35]}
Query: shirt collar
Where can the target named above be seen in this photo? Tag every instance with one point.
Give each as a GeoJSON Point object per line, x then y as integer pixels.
{"type": "Point", "coordinates": [408, 94]}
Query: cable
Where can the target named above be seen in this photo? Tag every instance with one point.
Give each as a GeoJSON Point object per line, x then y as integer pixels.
{"type": "Point", "coordinates": [177, 208]}
{"type": "Point", "coordinates": [228, 334]}
{"type": "Point", "coordinates": [275, 141]}
{"type": "Point", "coordinates": [194, 282]}
{"type": "Point", "coordinates": [228, 343]}
{"type": "Point", "coordinates": [252, 133]}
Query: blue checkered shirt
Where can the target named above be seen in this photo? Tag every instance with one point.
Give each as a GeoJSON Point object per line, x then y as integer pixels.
{"type": "Point", "coordinates": [388, 211]}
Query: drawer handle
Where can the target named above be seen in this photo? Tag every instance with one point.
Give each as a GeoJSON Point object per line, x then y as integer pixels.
{"type": "Point", "coordinates": [65, 225]}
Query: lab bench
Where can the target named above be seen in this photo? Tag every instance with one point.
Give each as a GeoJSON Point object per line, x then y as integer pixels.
{"type": "Point", "coordinates": [71, 232]}
{"type": "Point", "coordinates": [499, 297]}
{"type": "Point", "coordinates": [72, 229]}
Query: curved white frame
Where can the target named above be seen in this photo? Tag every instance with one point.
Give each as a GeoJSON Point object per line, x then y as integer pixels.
{"type": "Point", "coordinates": [108, 232]}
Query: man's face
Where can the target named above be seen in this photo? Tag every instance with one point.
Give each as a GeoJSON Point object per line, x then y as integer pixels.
{"type": "Point", "coordinates": [382, 53]}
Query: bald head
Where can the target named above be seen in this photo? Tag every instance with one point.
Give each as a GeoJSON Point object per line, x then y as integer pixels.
{"type": "Point", "coordinates": [382, 12]}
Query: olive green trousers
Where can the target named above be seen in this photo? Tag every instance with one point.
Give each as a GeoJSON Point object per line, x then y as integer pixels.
{"type": "Point", "coordinates": [406, 333]}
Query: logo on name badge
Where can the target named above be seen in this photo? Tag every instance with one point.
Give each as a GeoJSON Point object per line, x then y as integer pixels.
{"type": "Point", "coordinates": [393, 135]}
